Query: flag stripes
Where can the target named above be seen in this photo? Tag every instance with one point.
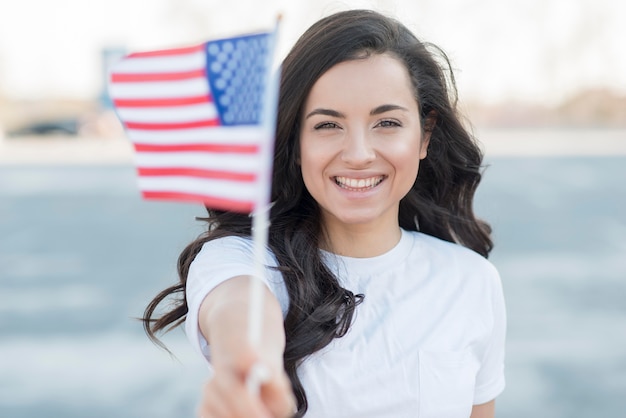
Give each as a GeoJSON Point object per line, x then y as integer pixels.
{"type": "Point", "coordinates": [235, 191]}
{"type": "Point", "coordinates": [243, 163]}
{"type": "Point", "coordinates": [144, 77]}
{"type": "Point", "coordinates": [192, 87]}
{"type": "Point", "coordinates": [173, 101]}
{"type": "Point", "coordinates": [244, 206]}
{"type": "Point", "coordinates": [173, 125]}
{"type": "Point", "coordinates": [238, 136]}
{"type": "Point", "coordinates": [212, 148]}
{"type": "Point", "coordinates": [184, 51]}
{"type": "Point", "coordinates": [170, 114]}
{"type": "Point", "coordinates": [196, 172]}
{"type": "Point", "coordinates": [137, 64]}
{"type": "Point", "coordinates": [183, 149]}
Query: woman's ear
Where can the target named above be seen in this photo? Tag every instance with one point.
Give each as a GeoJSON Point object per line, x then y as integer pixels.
{"type": "Point", "coordinates": [430, 121]}
{"type": "Point", "coordinates": [429, 125]}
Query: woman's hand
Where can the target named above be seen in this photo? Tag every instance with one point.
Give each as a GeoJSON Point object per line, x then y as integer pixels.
{"type": "Point", "coordinates": [224, 324]}
{"type": "Point", "coordinates": [227, 393]}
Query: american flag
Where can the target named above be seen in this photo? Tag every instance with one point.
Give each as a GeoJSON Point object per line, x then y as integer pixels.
{"type": "Point", "coordinates": [201, 120]}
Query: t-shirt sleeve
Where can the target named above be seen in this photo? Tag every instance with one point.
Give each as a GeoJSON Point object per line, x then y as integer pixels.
{"type": "Point", "coordinates": [490, 378]}
{"type": "Point", "coordinates": [219, 260]}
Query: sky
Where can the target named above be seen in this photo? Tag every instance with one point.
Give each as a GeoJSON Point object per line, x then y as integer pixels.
{"type": "Point", "coordinates": [533, 51]}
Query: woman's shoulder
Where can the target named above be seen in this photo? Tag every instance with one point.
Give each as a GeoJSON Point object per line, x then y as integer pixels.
{"type": "Point", "coordinates": [231, 249]}
{"type": "Point", "coordinates": [451, 263]}
{"type": "Point", "coordinates": [450, 253]}
{"type": "Point", "coordinates": [229, 242]}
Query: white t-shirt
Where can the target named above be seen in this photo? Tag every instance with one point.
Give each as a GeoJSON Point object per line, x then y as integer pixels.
{"type": "Point", "coordinates": [427, 341]}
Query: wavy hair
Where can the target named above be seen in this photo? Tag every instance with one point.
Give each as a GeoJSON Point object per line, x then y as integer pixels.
{"type": "Point", "coordinates": [440, 203]}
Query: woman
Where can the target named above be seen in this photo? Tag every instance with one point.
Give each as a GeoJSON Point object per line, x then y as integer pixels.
{"type": "Point", "coordinates": [379, 299]}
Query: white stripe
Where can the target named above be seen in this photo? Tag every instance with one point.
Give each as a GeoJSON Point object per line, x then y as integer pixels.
{"type": "Point", "coordinates": [222, 189]}
{"type": "Point", "coordinates": [159, 89]}
{"type": "Point", "coordinates": [162, 64]}
{"type": "Point", "coordinates": [215, 135]}
{"type": "Point", "coordinates": [202, 111]}
{"type": "Point", "coordinates": [241, 163]}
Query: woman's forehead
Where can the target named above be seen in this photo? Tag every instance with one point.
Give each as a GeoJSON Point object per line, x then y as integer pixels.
{"type": "Point", "coordinates": [375, 78]}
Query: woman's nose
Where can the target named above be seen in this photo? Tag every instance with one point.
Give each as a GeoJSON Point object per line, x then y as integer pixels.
{"type": "Point", "coordinates": [357, 150]}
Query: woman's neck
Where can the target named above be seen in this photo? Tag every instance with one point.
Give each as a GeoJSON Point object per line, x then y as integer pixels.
{"type": "Point", "coordinates": [361, 241]}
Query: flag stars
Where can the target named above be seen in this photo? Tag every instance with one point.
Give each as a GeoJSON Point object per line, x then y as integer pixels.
{"type": "Point", "coordinates": [220, 83]}
{"type": "Point", "coordinates": [216, 67]}
{"type": "Point", "coordinates": [228, 47]}
{"type": "Point", "coordinates": [222, 57]}
{"type": "Point", "coordinates": [237, 77]}
{"type": "Point", "coordinates": [214, 49]}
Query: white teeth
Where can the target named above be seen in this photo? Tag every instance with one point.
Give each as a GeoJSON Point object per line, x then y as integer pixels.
{"type": "Point", "coordinates": [348, 183]}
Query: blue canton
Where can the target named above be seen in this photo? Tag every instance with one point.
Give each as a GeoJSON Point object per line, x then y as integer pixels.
{"type": "Point", "coordinates": [237, 70]}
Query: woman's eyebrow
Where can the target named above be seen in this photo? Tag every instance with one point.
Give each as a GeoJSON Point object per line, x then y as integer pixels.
{"type": "Point", "coordinates": [336, 114]}
{"type": "Point", "coordinates": [326, 112]}
{"type": "Point", "coordinates": [386, 108]}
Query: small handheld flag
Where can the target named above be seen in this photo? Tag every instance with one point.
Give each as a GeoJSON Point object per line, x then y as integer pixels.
{"type": "Point", "coordinates": [202, 121]}
{"type": "Point", "coordinates": [198, 119]}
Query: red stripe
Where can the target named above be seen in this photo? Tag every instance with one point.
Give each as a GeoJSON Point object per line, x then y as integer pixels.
{"type": "Point", "coordinates": [197, 172]}
{"type": "Point", "coordinates": [210, 201]}
{"type": "Point", "coordinates": [168, 126]}
{"type": "Point", "coordinates": [214, 148]}
{"type": "Point", "coordinates": [148, 77]}
{"type": "Point", "coordinates": [167, 52]}
{"type": "Point", "coordinates": [177, 101]}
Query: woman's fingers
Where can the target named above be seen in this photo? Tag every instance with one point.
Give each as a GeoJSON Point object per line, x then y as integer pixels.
{"type": "Point", "coordinates": [226, 395]}
{"type": "Point", "coordinates": [277, 396]}
{"type": "Point", "coordinates": [258, 375]}
{"type": "Point", "coordinates": [212, 404]}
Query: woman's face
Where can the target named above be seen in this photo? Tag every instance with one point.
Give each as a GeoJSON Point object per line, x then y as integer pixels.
{"type": "Point", "coordinates": [361, 142]}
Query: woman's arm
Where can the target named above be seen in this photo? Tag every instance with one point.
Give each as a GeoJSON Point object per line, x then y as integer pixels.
{"type": "Point", "coordinates": [224, 324]}
{"type": "Point", "coordinates": [486, 410]}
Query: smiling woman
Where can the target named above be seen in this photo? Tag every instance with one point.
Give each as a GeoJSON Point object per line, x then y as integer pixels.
{"type": "Point", "coordinates": [379, 299]}
{"type": "Point", "coordinates": [359, 142]}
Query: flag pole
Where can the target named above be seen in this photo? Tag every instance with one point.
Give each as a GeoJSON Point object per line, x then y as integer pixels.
{"type": "Point", "coordinates": [261, 220]}
{"type": "Point", "coordinates": [260, 227]}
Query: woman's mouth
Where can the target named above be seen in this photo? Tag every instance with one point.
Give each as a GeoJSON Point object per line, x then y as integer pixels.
{"type": "Point", "coordinates": [358, 184]}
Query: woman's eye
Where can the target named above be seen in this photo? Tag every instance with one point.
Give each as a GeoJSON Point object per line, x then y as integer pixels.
{"type": "Point", "coordinates": [326, 125]}
{"type": "Point", "coordinates": [389, 123]}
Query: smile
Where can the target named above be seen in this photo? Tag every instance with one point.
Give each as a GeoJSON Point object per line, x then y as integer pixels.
{"type": "Point", "coordinates": [358, 184]}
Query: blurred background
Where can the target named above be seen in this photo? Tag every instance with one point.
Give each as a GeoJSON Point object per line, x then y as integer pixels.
{"type": "Point", "coordinates": [542, 83]}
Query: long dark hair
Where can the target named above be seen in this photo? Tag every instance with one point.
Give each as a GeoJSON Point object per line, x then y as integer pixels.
{"type": "Point", "coordinates": [439, 203]}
